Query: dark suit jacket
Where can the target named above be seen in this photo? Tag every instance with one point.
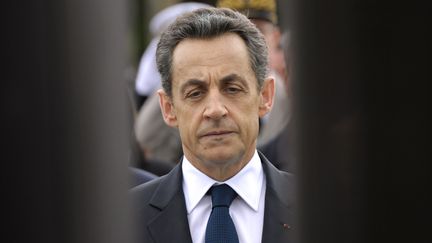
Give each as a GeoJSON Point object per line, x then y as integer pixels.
{"type": "Point", "coordinates": [280, 150]}
{"type": "Point", "coordinates": [139, 176]}
{"type": "Point", "coordinates": [161, 210]}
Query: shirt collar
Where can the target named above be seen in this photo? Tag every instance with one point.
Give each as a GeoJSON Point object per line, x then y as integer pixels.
{"type": "Point", "coordinates": [247, 183]}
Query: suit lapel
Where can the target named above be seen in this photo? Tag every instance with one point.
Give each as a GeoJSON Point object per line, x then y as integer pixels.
{"type": "Point", "coordinates": [279, 203]}
{"type": "Point", "coordinates": [171, 224]}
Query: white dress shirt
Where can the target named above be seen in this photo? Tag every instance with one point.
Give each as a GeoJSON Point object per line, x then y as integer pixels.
{"type": "Point", "coordinates": [247, 209]}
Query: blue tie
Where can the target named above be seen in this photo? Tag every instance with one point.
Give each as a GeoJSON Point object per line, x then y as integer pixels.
{"type": "Point", "coordinates": [220, 227]}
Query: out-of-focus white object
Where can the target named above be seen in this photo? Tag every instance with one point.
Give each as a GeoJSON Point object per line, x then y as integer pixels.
{"type": "Point", "coordinates": [148, 79]}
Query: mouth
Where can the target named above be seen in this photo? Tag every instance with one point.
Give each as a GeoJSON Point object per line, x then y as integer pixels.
{"type": "Point", "coordinates": [217, 134]}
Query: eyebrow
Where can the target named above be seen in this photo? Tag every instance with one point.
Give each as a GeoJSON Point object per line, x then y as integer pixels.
{"type": "Point", "coordinates": [233, 77]}
{"type": "Point", "coordinates": [225, 80]}
{"type": "Point", "coordinates": [191, 82]}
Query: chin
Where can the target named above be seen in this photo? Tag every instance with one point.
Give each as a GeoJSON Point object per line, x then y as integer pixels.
{"type": "Point", "coordinates": [224, 157]}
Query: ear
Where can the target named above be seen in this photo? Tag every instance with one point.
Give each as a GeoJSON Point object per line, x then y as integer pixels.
{"type": "Point", "coordinates": [167, 108]}
{"type": "Point", "coordinates": [266, 96]}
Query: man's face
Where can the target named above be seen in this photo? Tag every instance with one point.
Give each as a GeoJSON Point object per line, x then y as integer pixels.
{"type": "Point", "coordinates": [216, 103]}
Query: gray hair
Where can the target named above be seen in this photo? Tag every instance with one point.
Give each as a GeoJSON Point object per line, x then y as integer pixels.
{"type": "Point", "coordinates": [208, 23]}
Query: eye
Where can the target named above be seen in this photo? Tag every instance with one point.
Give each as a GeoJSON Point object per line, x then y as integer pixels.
{"type": "Point", "coordinates": [233, 89]}
{"type": "Point", "coordinates": [194, 94]}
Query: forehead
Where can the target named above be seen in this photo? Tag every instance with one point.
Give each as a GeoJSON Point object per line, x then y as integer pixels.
{"type": "Point", "coordinates": [217, 56]}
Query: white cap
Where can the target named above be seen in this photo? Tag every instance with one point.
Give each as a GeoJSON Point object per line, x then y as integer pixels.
{"type": "Point", "coordinates": [166, 16]}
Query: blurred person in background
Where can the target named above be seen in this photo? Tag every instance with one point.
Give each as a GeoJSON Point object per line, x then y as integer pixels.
{"type": "Point", "coordinates": [214, 68]}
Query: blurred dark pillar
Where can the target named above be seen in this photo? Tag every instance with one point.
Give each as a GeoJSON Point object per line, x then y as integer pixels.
{"type": "Point", "coordinates": [360, 84]}
{"type": "Point", "coordinates": [65, 117]}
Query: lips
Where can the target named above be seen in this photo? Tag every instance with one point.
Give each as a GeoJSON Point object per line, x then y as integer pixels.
{"type": "Point", "coordinates": [212, 130]}
{"type": "Point", "coordinates": [216, 133]}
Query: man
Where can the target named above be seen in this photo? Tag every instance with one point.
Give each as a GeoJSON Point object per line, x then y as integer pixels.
{"type": "Point", "coordinates": [213, 63]}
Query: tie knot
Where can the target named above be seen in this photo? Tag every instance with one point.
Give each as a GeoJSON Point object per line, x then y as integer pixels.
{"type": "Point", "coordinates": [222, 195]}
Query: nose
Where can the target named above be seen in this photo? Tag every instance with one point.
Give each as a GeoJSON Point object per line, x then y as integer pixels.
{"type": "Point", "coordinates": [215, 107]}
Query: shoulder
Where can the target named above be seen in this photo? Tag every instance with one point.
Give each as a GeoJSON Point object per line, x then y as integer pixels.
{"type": "Point", "coordinates": [270, 170]}
{"type": "Point", "coordinates": [139, 176]}
{"type": "Point", "coordinates": [144, 192]}
{"type": "Point", "coordinates": [281, 179]}
{"type": "Point", "coordinates": [282, 183]}
{"type": "Point", "coordinates": [157, 192]}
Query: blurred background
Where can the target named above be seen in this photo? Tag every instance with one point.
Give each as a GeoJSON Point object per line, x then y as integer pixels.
{"type": "Point", "coordinates": [354, 124]}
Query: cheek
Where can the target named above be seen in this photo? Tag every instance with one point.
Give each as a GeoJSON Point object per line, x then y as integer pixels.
{"type": "Point", "coordinates": [188, 121]}
{"type": "Point", "coordinates": [249, 131]}
{"type": "Point", "coordinates": [249, 120]}
{"type": "Point", "coordinates": [254, 123]}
